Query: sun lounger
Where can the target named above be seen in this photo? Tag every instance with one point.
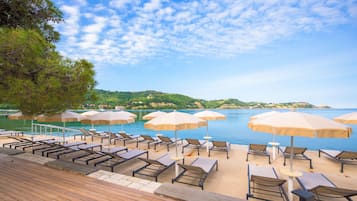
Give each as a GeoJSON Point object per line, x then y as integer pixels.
{"type": "Point", "coordinates": [24, 143]}
{"type": "Point", "coordinates": [95, 156]}
{"type": "Point", "coordinates": [153, 168]}
{"type": "Point", "coordinates": [150, 140]}
{"type": "Point", "coordinates": [344, 157]}
{"type": "Point", "coordinates": [299, 153]}
{"type": "Point", "coordinates": [219, 146]}
{"type": "Point", "coordinates": [75, 149]}
{"type": "Point", "coordinates": [168, 141]}
{"type": "Point", "coordinates": [197, 172]}
{"type": "Point", "coordinates": [264, 184]}
{"type": "Point", "coordinates": [258, 149]}
{"type": "Point", "coordinates": [11, 133]}
{"type": "Point", "coordinates": [119, 158]}
{"type": "Point", "coordinates": [59, 147]}
{"type": "Point", "coordinates": [323, 188]}
{"type": "Point", "coordinates": [196, 144]}
{"type": "Point", "coordinates": [92, 134]}
{"type": "Point", "coordinates": [125, 137]}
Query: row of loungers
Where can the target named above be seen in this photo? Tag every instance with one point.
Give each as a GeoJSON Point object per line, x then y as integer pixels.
{"type": "Point", "coordinates": [343, 157]}
{"type": "Point", "coordinates": [80, 151]}
{"type": "Point", "coordinates": [264, 184]}
{"type": "Point", "coordinates": [159, 140]}
{"type": "Point", "coordinates": [194, 174]}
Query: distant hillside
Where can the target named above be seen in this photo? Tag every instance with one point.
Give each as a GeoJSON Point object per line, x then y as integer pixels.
{"type": "Point", "coordinates": [159, 100]}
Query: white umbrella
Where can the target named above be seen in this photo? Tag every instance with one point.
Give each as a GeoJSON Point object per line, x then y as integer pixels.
{"type": "Point", "coordinates": [63, 117]}
{"type": "Point", "coordinates": [89, 113]}
{"type": "Point", "coordinates": [209, 115]}
{"type": "Point", "coordinates": [153, 115]}
{"type": "Point", "coordinates": [20, 116]}
{"type": "Point", "coordinates": [299, 124]}
{"type": "Point", "coordinates": [175, 121]}
{"type": "Point", "coordinates": [350, 118]}
{"type": "Point", "coordinates": [263, 115]}
{"type": "Point", "coordinates": [109, 118]}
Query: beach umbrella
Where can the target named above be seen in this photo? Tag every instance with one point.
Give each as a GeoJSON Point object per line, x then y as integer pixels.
{"type": "Point", "coordinates": [153, 115]}
{"type": "Point", "coordinates": [109, 118]}
{"type": "Point", "coordinates": [127, 113]}
{"type": "Point", "coordinates": [89, 113]}
{"type": "Point", "coordinates": [263, 115]}
{"type": "Point", "coordinates": [299, 124]}
{"type": "Point", "coordinates": [209, 115]}
{"type": "Point", "coordinates": [175, 121]}
{"type": "Point", "coordinates": [63, 117]}
{"type": "Point", "coordinates": [350, 118]}
{"type": "Point", "coordinates": [20, 116]}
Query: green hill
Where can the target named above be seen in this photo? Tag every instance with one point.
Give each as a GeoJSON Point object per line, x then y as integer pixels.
{"type": "Point", "coordinates": [159, 100]}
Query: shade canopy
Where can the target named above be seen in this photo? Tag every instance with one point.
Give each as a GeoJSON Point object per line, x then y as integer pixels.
{"type": "Point", "coordinates": [175, 121]}
{"type": "Point", "coordinates": [89, 113]}
{"type": "Point", "coordinates": [20, 116]}
{"type": "Point", "coordinates": [66, 116]}
{"type": "Point", "coordinates": [210, 115]}
{"type": "Point", "coordinates": [300, 124]}
{"type": "Point", "coordinates": [350, 118]}
{"type": "Point", "coordinates": [127, 113]}
{"type": "Point", "coordinates": [153, 115]}
{"type": "Point", "coordinates": [263, 115]}
{"type": "Point", "coordinates": [108, 118]}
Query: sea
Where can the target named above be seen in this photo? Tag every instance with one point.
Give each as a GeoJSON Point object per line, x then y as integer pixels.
{"type": "Point", "coordinates": [234, 129]}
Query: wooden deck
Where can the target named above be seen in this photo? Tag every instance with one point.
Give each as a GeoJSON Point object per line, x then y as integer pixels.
{"type": "Point", "coordinates": [24, 180]}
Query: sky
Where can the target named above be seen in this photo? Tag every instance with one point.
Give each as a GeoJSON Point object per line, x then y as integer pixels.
{"type": "Point", "coordinates": [259, 50]}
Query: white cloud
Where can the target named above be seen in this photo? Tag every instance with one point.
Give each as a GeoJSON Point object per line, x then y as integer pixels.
{"type": "Point", "coordinates": [220, 28]}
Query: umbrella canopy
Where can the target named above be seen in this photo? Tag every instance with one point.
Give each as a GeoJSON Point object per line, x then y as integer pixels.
{"type": "Point", "coordinates": [128, 113]}
{"type": "Point", "coordinates": [108, 118]}
{"type": "Point", "coordinates": [20, 116]}
{"type": "Point", "coordinates": [350, 118]}
{"type": "Point", "coordinates": [89, 113]}
{"type": "Point", "coordinates": [66, 116]}
{"type": "Point", "coordinates": [210, 115]}
{"type": "Point", "coordinates": [153, 115]}
{"type": "Point", "coordinates": [175, 121]}
{"type": "Point", "coordinates": [263, 115]}
{"type": "Point", "coordinates": [300, 124]}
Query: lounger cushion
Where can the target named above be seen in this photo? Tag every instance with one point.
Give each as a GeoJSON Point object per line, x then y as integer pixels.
{"type": "Point", "coordinates": [205, 164]}
{"type": "Point", "coordinates": [311, 180]}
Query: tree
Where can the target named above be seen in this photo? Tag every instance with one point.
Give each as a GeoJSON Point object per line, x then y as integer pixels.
{"type": "Point", "coordinates": [35, 78]}
{"type": "Point", "coordinates": [31, 14]}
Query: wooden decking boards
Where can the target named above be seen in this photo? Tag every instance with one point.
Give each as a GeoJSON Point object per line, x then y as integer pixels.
{"type": "Point", "coordinates": [24, 180]}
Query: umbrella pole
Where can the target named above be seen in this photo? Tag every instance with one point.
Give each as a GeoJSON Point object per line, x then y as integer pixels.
{"type": "Point", "coordinates": [177, 157]}
{"type": "Point", "coordinates": [64, 125]}
{"type": "Point", "coordinates": [110, 135]}
{"type": "Point", "coordinates": [292, 153]}
{"type": "Point", "coordinates": [207, 136]}
{"type": "Point", "coordinates": [290, 180]}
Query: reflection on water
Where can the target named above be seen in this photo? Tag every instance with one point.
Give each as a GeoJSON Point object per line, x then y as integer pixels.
{"type": "Point", "coordinates": [233, 129]}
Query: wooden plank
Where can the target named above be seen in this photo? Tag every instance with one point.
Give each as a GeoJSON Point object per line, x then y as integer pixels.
{"type": "Point", "coordinates": [24, 180]}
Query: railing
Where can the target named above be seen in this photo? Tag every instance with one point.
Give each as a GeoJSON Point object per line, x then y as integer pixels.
{"type": "Point", "coordinates": [48, 129]}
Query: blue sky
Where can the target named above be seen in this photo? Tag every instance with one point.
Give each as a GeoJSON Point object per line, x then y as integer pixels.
{"type": "Point", "coordinates": [261, 50]}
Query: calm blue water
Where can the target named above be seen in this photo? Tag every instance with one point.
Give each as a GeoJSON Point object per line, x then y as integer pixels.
{"type": "Point", "coordinates": [233, 129]}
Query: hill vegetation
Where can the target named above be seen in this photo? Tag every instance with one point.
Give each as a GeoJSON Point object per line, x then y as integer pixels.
{"type": "Point", "coordinates": [159, 100]}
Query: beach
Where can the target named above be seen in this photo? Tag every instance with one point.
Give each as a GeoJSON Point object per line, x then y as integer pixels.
{"type": "Point", "coordinates": [231, 177]}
